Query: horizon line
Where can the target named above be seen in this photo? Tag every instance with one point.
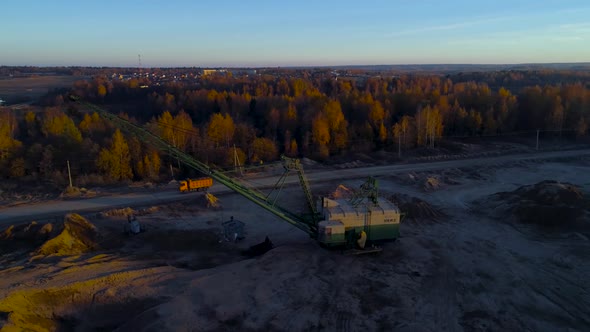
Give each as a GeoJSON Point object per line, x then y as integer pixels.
{"type": "Point", "coordinates": [309, 66]}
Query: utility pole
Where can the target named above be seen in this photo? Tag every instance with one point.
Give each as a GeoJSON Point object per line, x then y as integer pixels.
{"type": "Point", "coordinates": [538, 130]}
{"type": "Point", "coordinates": [69, 174]}
{"type": "Point", "coordinates": [171, 171]}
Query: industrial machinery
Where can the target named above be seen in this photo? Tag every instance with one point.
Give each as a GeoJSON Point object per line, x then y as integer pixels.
{"type": "Point", "coordinates": [199, 184]}
{"type": "Point", "coordinates": [334, 223]}
{"type": "Point", "coordinates": [133, 227]}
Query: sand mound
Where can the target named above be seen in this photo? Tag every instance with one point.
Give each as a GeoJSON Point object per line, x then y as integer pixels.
{"type": "Point", "coordinates": [416, 208]}
{"type": "Point", "coordinates": [98, 304]}
{"type": "Point", "coordinates": [118, 212]}
{"type": "Point", "coordinates": [428, 181]}
{"type": "Point", "coordinates": [342, 192]}
{"type": "Point", "coordinates": [548, 203]}
{"type": "Point", "coordinates": [75, 192]}
{"type": "Point", "coordinates": [211, 201]}
{"type": "Point", "coordinates": [33, 232]}
{"type": "Point", "coordinates": [431, 183]}
{"type": "Point", "coordinates": [78, 236]}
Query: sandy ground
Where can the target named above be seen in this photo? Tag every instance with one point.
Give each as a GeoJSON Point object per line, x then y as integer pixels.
{"type": "Point", "coordinates": [468, 271]}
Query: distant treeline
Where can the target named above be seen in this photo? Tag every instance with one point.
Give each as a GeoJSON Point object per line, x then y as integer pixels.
{"type": "Point", "coordinates": [297, 113]}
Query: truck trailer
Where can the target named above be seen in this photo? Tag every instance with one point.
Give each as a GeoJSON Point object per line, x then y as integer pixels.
{"type": "Point", "coordinates": [195, 184]}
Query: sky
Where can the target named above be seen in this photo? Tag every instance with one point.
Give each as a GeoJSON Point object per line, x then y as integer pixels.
{"type": "Point", "coordinates": [257, 33]}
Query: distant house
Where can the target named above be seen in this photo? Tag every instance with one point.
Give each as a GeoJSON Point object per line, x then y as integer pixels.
{"type": "Point", "coordinates": [243, 72]}
{"type": "Point", "coordinates": [1, 101]}
{"type": "Point", "coordinates": [206, 72]}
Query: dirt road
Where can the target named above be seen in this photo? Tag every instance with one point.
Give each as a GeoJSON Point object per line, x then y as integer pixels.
{"type": "Point", "coordinates": [47, 210]}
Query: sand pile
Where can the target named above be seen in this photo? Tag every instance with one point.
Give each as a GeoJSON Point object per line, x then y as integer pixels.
{"type": "Point", "coordinates": [211, 201]}
{"type": "Point", "coordinates": [342, 192]}
{"type": "Point", "coordinates": [118, 212]}
{"type": "Point", "coordinates": [75, 192]}
{"type": "Point", "coordinates": [431, 183]}
{"type": "Point", "coordinates": [416, 208]}
{"type": "Point", "coordinates": [548, 203]}
{"type": "Point", "coordinates": [33, 232]}
{"type": "Point", "coordinates": [97, 304]}
{"type": "Point", "coordinates": [78, 236]}
{"type": "Point", "coordinates": [428, 181]}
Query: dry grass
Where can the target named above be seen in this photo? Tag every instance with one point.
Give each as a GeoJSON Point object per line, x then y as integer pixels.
{"type": "Point", "coordinates": [20, 88]}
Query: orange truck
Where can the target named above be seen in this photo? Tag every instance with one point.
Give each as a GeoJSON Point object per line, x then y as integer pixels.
{"type": "Point", "coordinates": [195, 184]}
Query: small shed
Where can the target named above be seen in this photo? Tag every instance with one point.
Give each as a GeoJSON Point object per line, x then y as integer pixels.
{"type": "Point", "coordinates": [233, 230]}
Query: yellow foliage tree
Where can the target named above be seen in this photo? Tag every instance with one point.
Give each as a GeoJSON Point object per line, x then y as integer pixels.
{"type": "Point", "coordinates": [320, 130]}
{"type": "Point", "coordinates": [101, 90]}
{"type": "Point", "coordinates": [165, 124]}
{"type": "Point", "coordinates": [8, 144]}
{"type": "Point", "coordinates": [293, 149]}
{"type": "Point", "coordinates": [116, 161]}
{"type": "Point", "coordinates": [184, 130]}
{"type": "Point", "coordinates": [149, 166]}
{"type": "Point", "coordinates": [92, 124]}
{"type": "Point", "coordinates": [337, 124]}
{"type": "Point", "coordinates": [57, 123]}
{"type": "Point", "coordinates": [429, 125]}
{"type": "Point", "coordinates": [221, 129]}
{"type": "Point", "coordinates": [264, 150]}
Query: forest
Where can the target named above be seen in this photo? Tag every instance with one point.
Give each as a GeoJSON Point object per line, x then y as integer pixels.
{"type": "Point", "coordinates": [298, 113]}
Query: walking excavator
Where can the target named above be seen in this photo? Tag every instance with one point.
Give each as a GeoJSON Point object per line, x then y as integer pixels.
{"type": "Point", "coordinates": [354, 224]}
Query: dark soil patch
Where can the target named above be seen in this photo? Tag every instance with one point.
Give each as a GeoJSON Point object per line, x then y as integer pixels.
{"type": "Point", "coordinates": [415, 208]}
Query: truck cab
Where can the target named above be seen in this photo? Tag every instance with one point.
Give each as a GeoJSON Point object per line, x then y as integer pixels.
{"type": "Point", "coordinates": [183, 186]}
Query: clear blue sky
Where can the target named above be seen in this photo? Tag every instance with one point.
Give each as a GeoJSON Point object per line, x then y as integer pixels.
{"type": "Point", "coordinates": [283, 33]}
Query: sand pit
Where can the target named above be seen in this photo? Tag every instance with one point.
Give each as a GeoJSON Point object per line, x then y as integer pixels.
{"type": "Point", "coordinates": [461, 272]}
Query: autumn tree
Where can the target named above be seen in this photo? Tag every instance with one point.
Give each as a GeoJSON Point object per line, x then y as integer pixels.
{"type": "Point", "coordinates": [183, 130]}
{"type": "Point", "coordinates": [92, 124]}
{"type": "Point", "coordinates": [101, 90]}
{"type": "Point", "coordinates": [58, 124]}
{"type": "Point", "coordinates": [165, 127]}
{"type": "Point", "coordinates": [221, 129]}
{"type": "Point", "coordinates": [149, 166]}
{"type": "Point", "coordinates": [17, 168]}
{"type": "Point", "coordinates": [473, 122]}
{"type": "Point", "coordinates": [429, 125]}
{"type": "Point", "coordinates": [556, 116]}
{"type": "Point", "coordinates": [337, 125]}
{"type": "Point", "coordinates": [244, 136]}
{"type": "Point", "coordinates": [32, 124]}
{"type": "Point", "coordinates": [320, 130]}
{"type": "Point", "coordinates": [8, 143]}
{"type": "Point", "coordinates": [116, 161]}
{"type": "Point", "coordinates": [264, 150]}
{"type": "Point", "coordinates": [235, 157]}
